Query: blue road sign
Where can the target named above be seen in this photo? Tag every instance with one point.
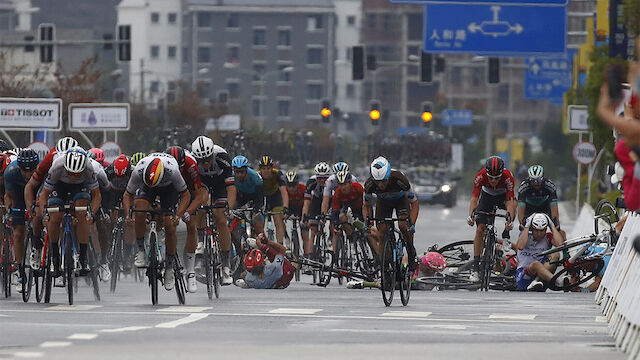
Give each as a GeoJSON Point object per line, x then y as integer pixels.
{"type": "Point", "coordinates": [547, 78]}
{"type": "Point", "coordinates": [496, 30]}
{"type": "Point", "coordinates": [490, 2]}
{"type": "Point", "coordinates": [457, 118]}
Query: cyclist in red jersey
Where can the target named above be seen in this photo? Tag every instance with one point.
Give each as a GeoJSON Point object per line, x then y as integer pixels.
{"type": "Point", "coordinates": [348, 195]}
{"type": "Point", "coordinates": [493, 186]}
{"type": "Point", "coordinates": [296, 191]}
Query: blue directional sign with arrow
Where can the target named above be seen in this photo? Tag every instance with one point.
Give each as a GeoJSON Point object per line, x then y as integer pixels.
{"type": "Point", "coordinates": [457, 118]}
{"type": "Point", "coordinates": [496, 30]}
{"type": "Point", "coordinates": [547, 78]}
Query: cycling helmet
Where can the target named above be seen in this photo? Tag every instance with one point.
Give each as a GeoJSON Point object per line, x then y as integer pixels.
{"type": "Point", "coordinates": [99, 154]}
{"type": "Point", "coordinates": [14, 151]}
{"type": "Point", "coordinates": [202, 147]}
{"type": "Point", "coordinates": [292, 177]}
{"type": "Point", "coordinates": [28, 160]}
{"type": "Point", "coordinates": [253, 258]}
{"type": "Point", "coordinates": [494, 166]}
{"type": "Point", "coordinates": [135, 158]}
{"type": "Point", "coordinates": [65, 144]}
{"type": "Point", "coordinates": [539, 221]}
{"type": "Point", "coordinates": [266, 160]}
{"type": "Point", "coordinates": [75, 160]}
{"type": "Point", "coordinates": [178, 153]}
{"type": "Point", "coordinates": [5, 160]}
{"type": "Point", "coordinates": [343, 176]}
{"type": "Point", "coordinates": [380, 169]}
{"type": "Point", "coordinates": [339, 166]}
{"type": "Point", "coordinates": [536, 172]}
{"type": "Point", "coordinates": [153, 172]}
{"type": "Point", "coordinates": [322, 169]}
{"type": "Point", "coordinates": [121, 165]}
{"type": "Point", "coordinates": [91, 155]}
{"type": "Point", "coordinates": [4, 146]}
{"type": "Point", "coordinates": [434, 261]}
{"type": "Point", "coordinates": [240, 162]}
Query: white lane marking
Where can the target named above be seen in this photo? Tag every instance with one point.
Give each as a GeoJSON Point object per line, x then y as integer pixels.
{"type": "Point", "coordinates": [189, 319]}
{"type": "Point", "coordinates": [55, 344]}
{"type": "Point", "coordinates": [73, 307]}
{"type": "Point", "coordinates": [185, 309]}
{"type": "Point", "coordinates": [513, 316]}
{"type": "Point", "coordinates": [409, 314]}
{"type": "Point", "coordinates": [28, 354]}
{"type": "Point", "coordinates": [295, 311]}
{"type": "Point", "coordinates": [601, 319]}
{"type": "Point", "coordinates": [125, 329]}
{"type": "Point", "coordinates": [81, 336]}
{"type": "Point", "coordinates": [443, 326]}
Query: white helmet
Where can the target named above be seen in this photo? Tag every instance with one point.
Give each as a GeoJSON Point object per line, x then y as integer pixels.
{"type": "Point", "coordinates": [343, 176]}
{"type": "Point", "coordinates": [535, 172]}
{"type": "Point", "coordinates": [65, 144]}
{"type": "Point", "coordinates": [380, 169]}
{"type": "Point", "coordinates": [75, 160]}
{"type": "Point", "coordinates": [322, 169]}
{"type": "Point", "coordinates": [539, 221]}
{"type": "Point", "coordinates": [202, 147]}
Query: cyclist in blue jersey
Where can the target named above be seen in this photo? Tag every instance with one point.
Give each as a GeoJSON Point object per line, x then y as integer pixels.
{"type": "Point", "coordinates": [249, 188]}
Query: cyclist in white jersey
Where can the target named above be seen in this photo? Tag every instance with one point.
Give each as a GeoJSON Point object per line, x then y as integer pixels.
{"type": "Point", "coordinates": [535, 239]}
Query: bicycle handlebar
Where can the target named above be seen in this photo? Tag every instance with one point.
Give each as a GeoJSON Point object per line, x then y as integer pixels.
{"type": "Point", "coordinates": [153, 212]}
{"type": "Point", "coordinates": [67, 208]}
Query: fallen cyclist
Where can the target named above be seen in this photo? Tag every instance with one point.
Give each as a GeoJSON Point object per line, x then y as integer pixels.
{"type": "Point", "coordinates": [276, 274]}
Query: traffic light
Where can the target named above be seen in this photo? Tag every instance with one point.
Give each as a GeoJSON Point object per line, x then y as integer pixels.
{"type": "Point", "coordinates": [426, 115]}
{"type": "Point", "coordinates": [46, 35]}
{"type": "Point", "coordinates": [494, 71]}
{"type": "Point", "coordinates": [374, 112]}
{"type": "Point", "coordinates": [426, 71]}
{"type": "Point", "coordinates": [124, 42]}
{"type": "Point", "coordinates": [357, 63]}
{"type": "Point", "coordinates": [326, 111]}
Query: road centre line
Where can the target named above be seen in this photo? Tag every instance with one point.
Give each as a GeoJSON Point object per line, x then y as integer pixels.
{"type": "Point", "coordinates": [125, 329]}
{"type": "Point", "coordinates": [81, 336]}
{"type": "Point", "coordinates": [28, 354]}
{"type": "Point", "coordinates": [295, 311]}
{"type": "Point", "coordinates": [513, 316]}
{"type": "Point", "coordinates": [63, 307]}
{"type": "Point", "coordinates": [55, 344]}
{"type": "Point", "coordinates": [185, 309]}
{"type": "Point", "coordinates": [187, 320]}
{"type": "Point", "coordinates": [410, 314]}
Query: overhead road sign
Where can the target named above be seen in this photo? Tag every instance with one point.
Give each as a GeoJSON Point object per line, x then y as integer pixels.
{"type": "Point", "coordinates": [99, 117]}
{"type": "Point", "coordinates": [486, 2]}
{"type": "Point", "coordinates": [495, 30]}
{"type": "Point", "coordinates": [547, 78]}
{"type": "Point", "coordinates": [30, 114]}
{"type": "Point", "coordinates": [457, 118]}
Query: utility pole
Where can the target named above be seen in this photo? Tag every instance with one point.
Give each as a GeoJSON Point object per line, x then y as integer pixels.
{"type": "Point", "coordinates": [142, 80]}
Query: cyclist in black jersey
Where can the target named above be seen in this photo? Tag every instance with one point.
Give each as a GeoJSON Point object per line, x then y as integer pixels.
{"type": "Point", "coordinates": [537, 194]}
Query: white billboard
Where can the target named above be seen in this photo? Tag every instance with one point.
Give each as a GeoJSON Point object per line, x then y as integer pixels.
{"type": "Point", "coordinates": [98, 117]}
{"type": "Point", "coordinates": [30, 114]}
{"type": "Point", "coordinates": [578, 118]}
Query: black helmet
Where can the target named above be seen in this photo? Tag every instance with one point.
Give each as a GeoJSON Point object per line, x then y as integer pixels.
{"type": "Point", "coordinates": [178, 153]}
{"type": "Point", "coordinates": [4, 146]}
{"type": "Point", "coordinates": [494, 166]}
{"type": "Point", "coordinates": [266, 160]}
{"type": "Point", "coordinates": [28, 160]}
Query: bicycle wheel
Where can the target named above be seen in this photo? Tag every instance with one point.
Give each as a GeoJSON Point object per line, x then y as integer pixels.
{"type": "Point", "coordinates": [387, 272]}
{"type": "Point", "coordinates": [69, 265]}
{"type": "Point", "coordinates": [209, 269]}
{"type": "Point", "coordinates": [39, 275]}
{"type": "Point", "coordinates": [404, 277]}
{"type": "Point", "coordinates": [26, 274]}
{"type": "Point", "coordinates": [93, 265]}
{"type": "Point", "coordinates": [154, 268]}
{"type": "Point", "coordinates": [581, 272]}
{"type": "Point", "coordinates": [179, 280]}
{"type": "Point", "coordinates": [6, 266]}
{"type": "Point", "coordinates": [295, 246]}
{"type": "Point", "coordinates": [217, 267]}
{"type": "Point", "coordinates": [487, 259]}
{"type": "Point", "coordinates": [364, 256]}
{"type": "Point", "coordinates": [457, 253]}
{"type": "Point", "coordinates": [48, 273]}
{"type": "Point", "coordinates": [447, 281]}
{"type": "Point", "coordinates": [341, 257]}
{"type": "Point", "coordinates": [115, 258]}
{"type": "Point", "coordinates": [605, 207]}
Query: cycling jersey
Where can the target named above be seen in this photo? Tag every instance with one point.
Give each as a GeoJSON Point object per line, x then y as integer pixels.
{"type": "Point", "coordinates": [314, 189]}
{"type": "Point", "coordinates": [190, 172]}
{"type": "Point", "coordinates": [504, 186]}
{"type": "Point", "coordinates": [13, 179]}
{"type": "Point", "coordinates": [272, 184]}
{"type": "Point", "coordinates": [277, 274]}
{"type": "Point", "coordinates": [101, 175]}
{"type": "Point", "coordinates": [527, 256]}
{"type": "Point", "coordinates": [296, 198]}
{"type": "Point", "coordinates": [537, 200]}
{"type": "Point", "coordinates": [58, 173]}
{"type": "Point", "coordinates": [332, 184]}
{"type": "Point", "coordinates": [220, 171]}
{"type": "Point", "coordinates": [397, 188]}
{"type": "Point", "coordinates": [251, 183]}
{"type": "Point", "coordinates": [171, 175]}
{"type": "Point", "coordinates": [353, 199]}
{"type": "Point", "coordinates": [118, 183]}
{"type": "Point", "coordinates": [44, 166]}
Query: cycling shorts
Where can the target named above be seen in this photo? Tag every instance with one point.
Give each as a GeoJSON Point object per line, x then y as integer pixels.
{"type": "Point", "coordinates": [64, 193]}
{"type": "Point", "coordinates": [315, 209]}
{"type": "Point", "coordinates": [274, 202]}
{"type": "Point", "coordinates": [523, 279]}
{"type": "Point", "coordinates": [384, 208]}
{"type": "Point", "coordinates": [487, 203]}
{"type": "Point", "coordinates": [218, 190]}
{"type": "Point", "coordinates": [167, 194]}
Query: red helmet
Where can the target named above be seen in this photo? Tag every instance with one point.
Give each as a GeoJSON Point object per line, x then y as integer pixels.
{"type": "Point", "coordinates": [252, 259]}
{"type": "Point", "coordinates": [121, 165]}
{"type": "Point", "coordinates": [99, 154]}
{"type": "Point", "coordinates": [434, 261]}
{"type": "Point", "coordinates": [494, 166]}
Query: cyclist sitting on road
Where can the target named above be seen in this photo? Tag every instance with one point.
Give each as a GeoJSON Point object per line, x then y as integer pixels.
{"type": "Point", "coordinates": [275, 275]}
{"type": "Point", "coordinates": [313, 202]}
{"type": "Point", "coordinates": [157, 176]}
{"type": "Point", "coordinates": [347, 203]}
{"type": "Point", "coordinates": [492, 187]}
{"type": "Point", "coordinates": [275, 191]}
{"type": "Point", "coordinates": [295, 192]}
{"type": "Point", "coordinates": [249, 188]}
{"type": "Point", "coordinates": [533, 240]}
{"type": "Point", "coordinates": [393, 191]}
{"type": "Point", "coordinates": [537, 194]}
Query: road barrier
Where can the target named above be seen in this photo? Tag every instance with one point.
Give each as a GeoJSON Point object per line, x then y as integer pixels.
{"type": "Point", "coordinates": [619, 292]}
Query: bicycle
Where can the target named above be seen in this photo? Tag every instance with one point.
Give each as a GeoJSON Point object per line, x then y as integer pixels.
{"type": "Point", "coordinates": [156, 261]}
{"type": "Point", "coordinates": [7, 256]}
{"type": "Point", "coordinates": [27, 273]}
{"type": "Point", "coordinates": [321, 253]}
{"type": "Point", "coordinates": [211, 255]}
{"type": "Point", "coordinates": [269, 224]}
{"type": "Point", "coordinates": [488, 256]}
{"type": "Point", "coordinates": [241, 229]}
{"type": "Point", "coordinates": [296, 252]}
{"type": "Point", "coordinates": [116, 252]}
{"type": "Point", "coordinates": [392, 269]}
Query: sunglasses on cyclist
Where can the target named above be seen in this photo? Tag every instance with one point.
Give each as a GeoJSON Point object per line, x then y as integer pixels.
{"type": "Point", "coordinates": [209, 159]}
{"type": "Point", "coordinates": [494, 177]}
{"type": "Point", "coordinates": [239, 171]}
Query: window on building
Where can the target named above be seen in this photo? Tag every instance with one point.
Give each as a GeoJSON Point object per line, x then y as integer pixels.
{"type": "Point", "coordinates": [284, 76]}
{"type": "Point", "coordinates": [204, 54]}
{"type": "Point", "coordinates": [233, 53]}
{"type": "Point", "coordinates": [348, 55]}
{"type": "Point", "coordinates": [414, 25]}
{"type": "Point", "coordinates": [171, 52]}
{"type": "Point", "coordinates": [314, 23]}
{"type": "Point", "coordinates": [350, 91]}
{"type": "Point", "coordinates": [204, 90]}
{"type": "Point", "coordinates": [204, 19]}
{"type": "Point", "coordinates": [172, 86]}
{"type": "Point", "coordinates": [503, 94]}
{"type": "Point", "coordinates": [172, 18]}
{"type": "Point", "coordinates": [314, 56]}
{"type": "Point", "coordinates": [314, 91]}
{"type": "Point", "coordinates": [155, 17]}
{"type": "Point", "coordinates": [387, 22]}
{"type": "Point", "coordinates": [185, 54]}
{"type": "Point", "coordinates": [258, 71]}
{"type": "Point", "coordinates": [371, 21]}
{"type": "Point", "coordinates": [155, 86]}
{"type": "Point", "coordinates": [155, 51]}
{"type": "Point", "coordinates": [256, 107]}
{"type": "Point", "coordinates": [284, 37]}
{"type": "Point", "coordinates": [233, 22]}
{"type": "Point", "coordinates": [351, 20]}
{"type": "Point", "coordinates": [259, 37]}
{"type": "Point", "coordinates": [284, 108]}
{"type": "Point", "coordinates": [234, 90]}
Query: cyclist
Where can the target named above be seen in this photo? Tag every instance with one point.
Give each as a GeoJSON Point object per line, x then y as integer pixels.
{"type": "Point", "coordinates": [119, 173]}
{"type": "Point", "coordinates": [71, 179]}
{"type": "Point", "coordinates": [135, 158]}
{"type": "Point", "coordinates": [102, 223]}
{"type": "Point", "coordinates": [535, 239]}
{"type": "Point", "coordinates": [313, 203]}
{"type": "Point", "coordinates": [329, 188]}
{"type": "Point", "coordinates": [157, 176]}
{"type": "Point", "coordinates": [15, 178]}
{"type": "Point", "coordinates": [275, 275]}
{"type": "Point", "coordinates": [249, 188]}
{"type": "Point", "coordinates": [189, 171]}
{"type": "Point", "coordinates": [4, 146]}
{"type": "Point", "coordinates": [347, 203]}
{"type": "Point", "coordinates": [295, 192]}
{"type": "Point", "coordinates": [275, 191]}
{"type": "Point", "coordinates": [393, 192]}
{"type": "Point", "coordinates": [492, 187]}
{"type": "Point", "coordinates": [99, 156]}
{"type": "Point", "coordinates": [537, 194]}
{"type": "Point", "coordinates": [214, 166]}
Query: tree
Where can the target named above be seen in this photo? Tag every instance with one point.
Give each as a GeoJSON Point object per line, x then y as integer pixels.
{"type": "Point", "coordinates": [631, 16]}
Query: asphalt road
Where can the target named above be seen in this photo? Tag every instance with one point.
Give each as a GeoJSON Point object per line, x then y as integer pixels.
{"type": "Point", "coordinates": [308, 322]}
